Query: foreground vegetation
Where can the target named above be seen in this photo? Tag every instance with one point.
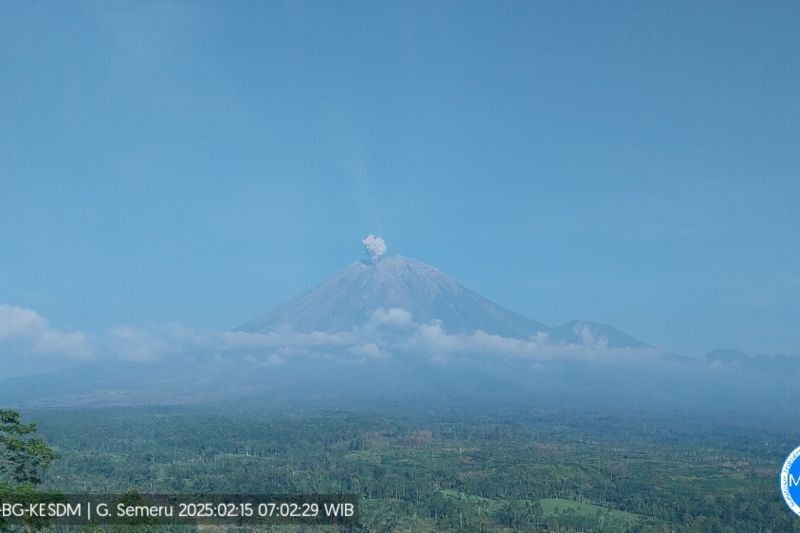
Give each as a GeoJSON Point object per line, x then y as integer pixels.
{"type": "Point", "coordinates": [455, 469]}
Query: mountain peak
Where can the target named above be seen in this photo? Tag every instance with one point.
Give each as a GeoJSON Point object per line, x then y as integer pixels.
{"type": "Point", "coordinates": [398, 269]}
{"type": "Point", "coordinates": [350, 298]}
{"type": "Point", "coordinates": [356, 295]}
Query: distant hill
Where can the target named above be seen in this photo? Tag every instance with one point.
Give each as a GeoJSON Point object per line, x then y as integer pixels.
{"type": "Point", "coordinates": [758, 362]}
{"type": "Point", "coordinates": [578, 332]}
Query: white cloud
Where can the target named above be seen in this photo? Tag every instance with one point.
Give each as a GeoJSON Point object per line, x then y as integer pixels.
{"type": "Point", "coordinates": [266, 361]}
{"type": "Point", "coordinates": [135, 345]}
{"type": "Point", "coordinates": [394, 317]}
{"type": "Point", "coordinates": [28, 333]}
{"type": "Point", "coordinates": [588, 338]}
{"type": "Point", "coordinates": [389, 333]}
{"type": "Point", "coordinates": [369, 350]}
{"type": "Point", "coordinates": [432, 340]}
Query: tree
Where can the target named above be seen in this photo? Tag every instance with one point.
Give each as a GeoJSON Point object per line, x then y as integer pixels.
{"type": "Point", "coordinates": [22, 457]}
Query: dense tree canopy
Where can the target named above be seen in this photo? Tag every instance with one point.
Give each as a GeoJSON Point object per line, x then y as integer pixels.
{"type": "Point", "coordinates": [22, 456]}
{"type": "Point", "coordinates": [458, 469]}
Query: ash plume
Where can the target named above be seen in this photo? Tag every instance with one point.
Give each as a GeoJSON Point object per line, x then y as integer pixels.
{"type": "Point", "coordinates": [374, 246]}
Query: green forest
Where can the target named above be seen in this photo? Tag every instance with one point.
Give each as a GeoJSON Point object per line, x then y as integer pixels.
{"type": "Point", "coordinates": [423, 469]}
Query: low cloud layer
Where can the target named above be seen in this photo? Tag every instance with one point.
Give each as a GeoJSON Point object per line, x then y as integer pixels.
{"type": "Point", "coordinates": [26, 332]}
{"type": "Point", "coordinates": [389, 333]}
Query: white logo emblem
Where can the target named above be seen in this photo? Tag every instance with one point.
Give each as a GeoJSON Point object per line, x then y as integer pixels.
{"type": "Point", "coordinates": [790, 481]}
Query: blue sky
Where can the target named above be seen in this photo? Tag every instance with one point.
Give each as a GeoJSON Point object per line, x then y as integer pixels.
{"type": "Point", "coordinates": [634, 163]}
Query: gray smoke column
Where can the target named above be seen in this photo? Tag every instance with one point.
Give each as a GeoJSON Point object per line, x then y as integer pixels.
{"type": "Point", "coordinates": [375, 247]}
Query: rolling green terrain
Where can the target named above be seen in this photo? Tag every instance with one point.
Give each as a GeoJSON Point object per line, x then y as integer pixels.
{"type": "Point", "coordinates": [449, 469]}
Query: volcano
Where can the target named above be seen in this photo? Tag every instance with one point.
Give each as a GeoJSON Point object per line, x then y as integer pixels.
{"type": "Point", "coordinates": [382, 327]}
{"type": "Point", "coordinates": [351, 297]}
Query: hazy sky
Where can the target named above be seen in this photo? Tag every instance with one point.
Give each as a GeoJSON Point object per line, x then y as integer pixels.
{"type": "Point", "coordinates": [633, 163]}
